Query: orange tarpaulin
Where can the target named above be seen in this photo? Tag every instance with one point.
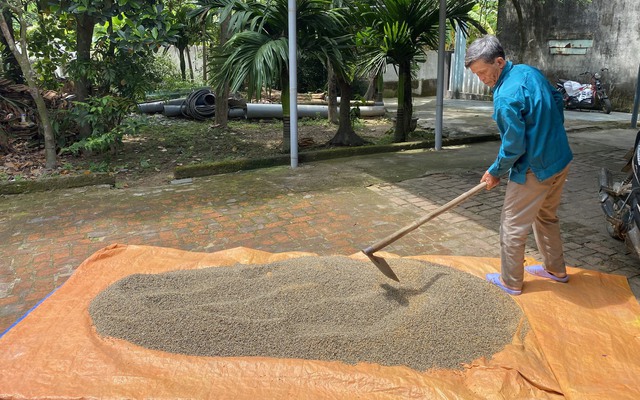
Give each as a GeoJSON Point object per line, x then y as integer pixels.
{"type": "Point", "coordinates": [583, 343]}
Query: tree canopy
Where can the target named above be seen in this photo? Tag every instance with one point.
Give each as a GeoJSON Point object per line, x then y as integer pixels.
{"type": "Point", "coordinates": [107, 47]}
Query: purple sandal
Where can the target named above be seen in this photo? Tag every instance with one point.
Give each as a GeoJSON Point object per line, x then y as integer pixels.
{"type": "Point", "coordinates": [538, 270]}
{"type": "Point", "coordinates": [495, 279]}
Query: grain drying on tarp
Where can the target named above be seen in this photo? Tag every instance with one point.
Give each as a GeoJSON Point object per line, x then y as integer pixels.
{"type": "Point", "coordinates": [321, 308]}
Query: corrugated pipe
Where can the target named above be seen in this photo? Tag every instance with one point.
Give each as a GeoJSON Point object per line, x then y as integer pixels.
{"type": "Point", "coordinates": [200, 105]}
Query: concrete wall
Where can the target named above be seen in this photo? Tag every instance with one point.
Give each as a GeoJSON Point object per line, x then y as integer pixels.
{"type": "Point", "coordinates": [423, 84]}
{"type": "Point", "coordinates": [564, 39]}
{"type": "Point", "coordinates": [196, 60]}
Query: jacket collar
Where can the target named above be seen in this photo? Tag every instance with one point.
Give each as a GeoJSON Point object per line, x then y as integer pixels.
{"type": "Point", "coordinates": [508, 66]}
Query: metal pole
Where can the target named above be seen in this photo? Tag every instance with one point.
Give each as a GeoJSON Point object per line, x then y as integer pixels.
{"type": "Point", "coordinates": [440, 79]}
{"type": "Point", "coordinates": [293, 83]}
{"type": "Point", "coordinates": [636, 103]}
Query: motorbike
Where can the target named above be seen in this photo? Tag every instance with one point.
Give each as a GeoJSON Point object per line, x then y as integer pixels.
{"type": "Point", "coordinates": [620, 201]}
{"type": "Point", "coordinates": [585, 96]}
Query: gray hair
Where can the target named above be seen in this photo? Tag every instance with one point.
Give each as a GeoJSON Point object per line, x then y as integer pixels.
{"type": "Point", "coordinates": [486, 48]}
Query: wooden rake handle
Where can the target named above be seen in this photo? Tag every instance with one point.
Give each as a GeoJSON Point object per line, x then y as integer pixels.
{"type": "Point", "coordinates": [403, 231]}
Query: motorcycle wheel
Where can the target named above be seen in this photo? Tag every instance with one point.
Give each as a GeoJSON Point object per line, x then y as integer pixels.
{"type": "Point", "coordinates": [606, 106]}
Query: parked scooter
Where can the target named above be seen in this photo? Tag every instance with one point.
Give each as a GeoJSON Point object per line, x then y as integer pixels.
{"type": "Point", "coordinates": [620, 201]}
{"type": "Point", "coordinates": [585, 96]}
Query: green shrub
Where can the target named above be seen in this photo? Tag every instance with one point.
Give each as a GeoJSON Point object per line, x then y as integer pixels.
{"type": "Point", "coordinates": [108, 118]}
{"type": "Point", "coordinates": [169, 78]}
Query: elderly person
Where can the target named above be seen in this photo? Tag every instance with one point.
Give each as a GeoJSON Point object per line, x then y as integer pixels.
{"type": "Point", "coordinates": [535, 152]}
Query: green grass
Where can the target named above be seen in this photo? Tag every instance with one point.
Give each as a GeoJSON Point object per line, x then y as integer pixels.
{"type": "Point", "coordinates": [415, 136]}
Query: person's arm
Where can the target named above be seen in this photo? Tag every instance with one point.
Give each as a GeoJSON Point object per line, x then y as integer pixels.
{"type": "Point", "coordinates": [508, 116]}
{"type": "Point", "coordinates": [510, 120]}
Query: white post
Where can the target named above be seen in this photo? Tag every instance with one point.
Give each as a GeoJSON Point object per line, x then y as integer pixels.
{"type": "Point", "coordinates": [457, 75]}
{"type": "Point", "coordinates": [293, 83]}
{"type": "Point", "coordinates": [636, 103]}
{"type": "Point", "coordinates": [440, 79]}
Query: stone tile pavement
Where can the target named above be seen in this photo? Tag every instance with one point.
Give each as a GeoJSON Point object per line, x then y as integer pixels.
{"type": "Point", "coordinates": [328, 207]}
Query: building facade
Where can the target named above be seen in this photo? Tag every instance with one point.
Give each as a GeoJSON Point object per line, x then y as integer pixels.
{"type": "Point", "coordinates": [564, 38]}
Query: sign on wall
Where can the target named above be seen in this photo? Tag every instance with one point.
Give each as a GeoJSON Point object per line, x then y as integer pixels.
{"type": "Point", "coordinates": [570, 46]}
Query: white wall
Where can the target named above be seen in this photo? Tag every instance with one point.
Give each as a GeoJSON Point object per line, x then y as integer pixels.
{"type": "Point", "coordinates": [428, 73]}
{"type": "Point", "coordinates": [196, 60]}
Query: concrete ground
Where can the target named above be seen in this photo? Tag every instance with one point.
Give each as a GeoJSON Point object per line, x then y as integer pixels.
{"type": "Point", "coordinates": [330, 207]}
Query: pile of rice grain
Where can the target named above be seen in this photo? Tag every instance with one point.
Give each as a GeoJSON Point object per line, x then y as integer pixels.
{"type": "Point", "coordinates": [321, 308]}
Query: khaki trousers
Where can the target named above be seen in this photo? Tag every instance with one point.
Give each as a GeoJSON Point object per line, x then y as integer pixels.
{"type": "Point", "coordinates": [533, 204]}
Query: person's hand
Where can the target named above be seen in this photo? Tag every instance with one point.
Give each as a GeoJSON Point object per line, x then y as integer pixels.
{"type": "Point", "coordinates": [491, 180]}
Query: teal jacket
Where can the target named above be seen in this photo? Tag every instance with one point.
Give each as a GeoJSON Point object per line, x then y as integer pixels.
{"type": "Point", "coordinates": [530, 116]}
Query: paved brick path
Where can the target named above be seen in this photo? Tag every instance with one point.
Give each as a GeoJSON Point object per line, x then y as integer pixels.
{"type": "Point", "coordinates": [331, 207]}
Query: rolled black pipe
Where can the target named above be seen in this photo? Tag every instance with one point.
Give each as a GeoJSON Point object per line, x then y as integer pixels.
{"type": "Point", "coordinates": [200, 112]}
{"type": "Point", "coordinates": [206, 99]}
{"type": "Point", "coordinates": [171, 110]}
{"type": "Point", "coordinates": [152, 107]}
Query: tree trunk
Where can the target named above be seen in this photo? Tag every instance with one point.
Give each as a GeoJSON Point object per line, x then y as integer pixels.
{"type": "Point", "coordinates": [345, 136]}
{"type": "Point", "coordinates": [183, 64]}
{"type": "Point", "coordinates": [13, 71]}
{"type": "Point", "coordinates": [404, 86]}
{"type": "Point", "coordinates": [222, 93]}
{"type": "Point", "coordinates": [222, 106]}
{"type": "Point", "coordinates": [523, 34]}
{"type": "Point", "coordinates": [84, 35]}
{"type": "Point", "coordinates": [285, 99]}
{"type": "Point", "coordinates": [379, 87]}
{"type": "Point", "coordinates": [29, 74]}
{"type": "Point", "coordinates": [332, 101]}
{"type": "Point", "coordinates": [408, 102]}
{"type": "Point", "coordinates": [190, 64]}
{"type": "Point", "coordinates": [371, 88]}
{"type": "Point", "coordinates": [204, 51]}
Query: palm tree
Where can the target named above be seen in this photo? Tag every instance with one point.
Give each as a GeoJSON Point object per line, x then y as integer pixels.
{"type": "Point", "coordinates": [257, 53]}
{"type": "Point", "coordinates": [188, 33]}
{"type": "Point", "coordinates": [342, 63]}
{"type": "Point", "coordinates": [345, 135]}
{"type": "Point", "coordinates": [400, 32]}
{"type": "Point", "coordinates": [204, 15]}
